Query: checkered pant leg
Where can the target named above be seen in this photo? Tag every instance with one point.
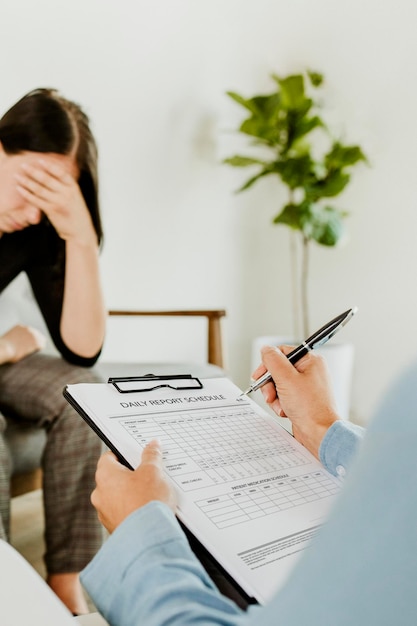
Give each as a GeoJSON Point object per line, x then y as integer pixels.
{"type": "Point", "coordinates": [72, 532]}
{"type": "Point", "coordinates": [32, 389]}
{"type": "Point", "coordinates": [5, 467]}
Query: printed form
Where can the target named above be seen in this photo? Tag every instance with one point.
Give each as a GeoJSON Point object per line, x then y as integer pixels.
{"type": "Point", "coordinates": [247, 490]}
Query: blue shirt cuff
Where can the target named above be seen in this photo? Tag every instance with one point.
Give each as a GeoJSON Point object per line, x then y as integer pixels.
{"type": "Point", "coordinates": [339, 446]}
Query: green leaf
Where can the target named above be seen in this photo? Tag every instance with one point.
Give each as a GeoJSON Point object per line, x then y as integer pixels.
{"type": "Point", "coordinates": [330, 186]}
{"type": "Point", "coordinates": [242, 161]}
{"type": "Point", "coordinates": [343, 156]}
{"type": "Point", "coordinates": [266, 106]}
{"type": "Point", "coordinates": [267, 122]}
{"type": "Point", "coordinates": [261, 129]}
{"type": "Point", "coordinates": [324, 224]}
{"type": "Point", "coordinates": [294, 171]}
{"type": "Point", "coordinates": [305, 126]}
{"type": "Point", "coordinates": [334, 184]}
{"type": "Point", "coordinates": [290, 216]}
{"type": "Point", "coordinates": [292, 91]}
{"type": "Point", "coordinates": [316, 79]}
{"type": "Point", "coordinates": [263, 123]}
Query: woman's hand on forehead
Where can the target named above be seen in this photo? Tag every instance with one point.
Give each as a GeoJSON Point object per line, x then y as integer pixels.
{"type": "Point", "coordinates": [49, 184]}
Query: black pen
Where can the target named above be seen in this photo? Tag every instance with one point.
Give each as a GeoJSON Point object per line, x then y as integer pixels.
{"type": "Point", "coordinates": [317, 339]}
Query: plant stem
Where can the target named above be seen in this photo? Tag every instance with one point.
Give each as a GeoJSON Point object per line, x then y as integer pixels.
{"type": "Point", "coordinates": [304, 287]}
{"type": "Point", "coordinates": [294, 277]}
{"type": "Point", "coordinates": [295, 285]}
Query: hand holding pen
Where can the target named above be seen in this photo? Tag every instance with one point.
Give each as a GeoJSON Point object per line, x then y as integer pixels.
{"type": "Point", "coordinates": [303, 394]}
{"type": "Point", "coordinates": [317, 339]}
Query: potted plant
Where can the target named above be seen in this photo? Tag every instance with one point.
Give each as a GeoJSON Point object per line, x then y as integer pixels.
{"type": "Point", "coordinates": [294, 143]}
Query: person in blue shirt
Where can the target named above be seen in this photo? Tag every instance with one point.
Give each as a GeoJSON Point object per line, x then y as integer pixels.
{"type": "Point", "coordinates": [360, 569]}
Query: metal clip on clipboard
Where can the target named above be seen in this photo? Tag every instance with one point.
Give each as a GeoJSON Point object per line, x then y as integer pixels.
{"type": "Point", "coordinates": [150, 382]}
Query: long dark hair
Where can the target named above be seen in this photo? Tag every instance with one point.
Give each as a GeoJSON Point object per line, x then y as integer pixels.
{"type": "Point", "coordinates": [44, 121]}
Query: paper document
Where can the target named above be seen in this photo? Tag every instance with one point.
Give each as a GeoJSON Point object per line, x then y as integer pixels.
{"type": "Point", "coordinates": [247, 490]}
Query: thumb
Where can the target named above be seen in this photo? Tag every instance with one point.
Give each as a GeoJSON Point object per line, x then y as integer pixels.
{"type": "Point", "coordinates": [152, 454]}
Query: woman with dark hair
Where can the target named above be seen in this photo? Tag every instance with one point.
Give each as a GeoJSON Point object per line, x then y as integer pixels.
{"type": "Point", "coordinates": [50, 229]}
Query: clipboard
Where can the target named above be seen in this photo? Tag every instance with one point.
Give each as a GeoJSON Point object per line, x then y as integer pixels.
{"type": "Point", "coordinates": [134, 384]}
{"type": "Point", "coordinates": [248, 492]}
{"type": "Point", "coordinates": [152, 382]}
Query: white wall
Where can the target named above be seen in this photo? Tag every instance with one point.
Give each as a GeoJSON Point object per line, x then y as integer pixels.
{"type": "Point", "coordinates": [152, 74]}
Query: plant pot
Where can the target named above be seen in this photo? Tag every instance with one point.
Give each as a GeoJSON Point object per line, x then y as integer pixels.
{"type": "Point", "coordinates": [339, 357]}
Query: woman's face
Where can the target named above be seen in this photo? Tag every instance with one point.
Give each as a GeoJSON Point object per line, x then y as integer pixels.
{"type": "Point", "coordinates": [15, 212]}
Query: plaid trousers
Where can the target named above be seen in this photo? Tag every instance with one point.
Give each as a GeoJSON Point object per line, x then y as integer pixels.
{"type": "Point", "coordinates": [32, 390]}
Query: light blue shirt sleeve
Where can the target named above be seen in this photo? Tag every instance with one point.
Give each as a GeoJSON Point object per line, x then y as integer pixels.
{"type": "Point", "coordinates": [339, 447]}
{"type": "Point", "coordinates": [146, 572]}
{"type": "Point", "coordinates": [360, 569]}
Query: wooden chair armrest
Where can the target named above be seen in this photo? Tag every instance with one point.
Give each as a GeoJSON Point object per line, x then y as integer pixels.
{"type": "Point", "coordinates": [214, 330]}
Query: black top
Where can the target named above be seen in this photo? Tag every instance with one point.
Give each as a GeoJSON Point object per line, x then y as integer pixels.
{"type": "Point", "coordinates": [40, 252]}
